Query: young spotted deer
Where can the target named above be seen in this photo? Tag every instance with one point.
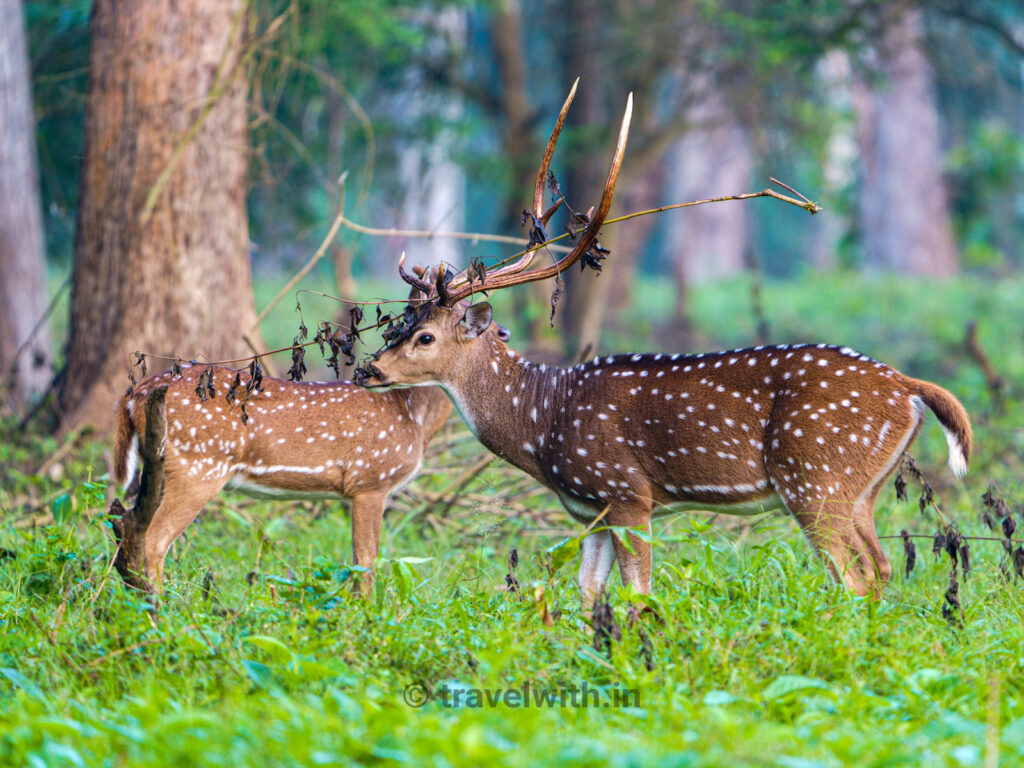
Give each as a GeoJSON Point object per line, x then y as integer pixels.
{"type": "Point", "coordinates": [816, 429]}
{"type": "Point", "coordinates": [300, 440]}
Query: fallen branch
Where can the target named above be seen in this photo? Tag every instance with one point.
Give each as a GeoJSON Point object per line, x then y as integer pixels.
{"type": "Point", "coordinates": [996, 384]}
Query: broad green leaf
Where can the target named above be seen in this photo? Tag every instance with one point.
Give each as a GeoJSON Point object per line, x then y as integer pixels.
{"type": "Point", "coordinates": [62, 509]}
{"type": "Point", "coordinates": [564, 551]}
{"type": "Point", "coordinates": [278, 651]}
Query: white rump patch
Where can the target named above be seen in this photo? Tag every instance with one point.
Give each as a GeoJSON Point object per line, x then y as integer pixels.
{"type": "Point", "coordinates": [957, 461]}
{"type": "Point", "coordinates": [132, 464]}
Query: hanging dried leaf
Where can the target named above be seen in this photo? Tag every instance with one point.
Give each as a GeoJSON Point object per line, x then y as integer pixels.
{"type": "Point", "coordinates": [298, 369]}
{"type": "Point", "coordinates": [323, 332]}
{"type": "Point", "coordinates": [255, 382]}
{"type": "Point", "coordinates": [938, 543]}
{"type": "Point", "coordinates": [593, 257]}
{"type": "Point", "coordinates": [901, 485]}
{"type": "Point", "coordinates": [553, 187]}
{"type": "Point", "coordinates": [911, 552]}
{"type": "Point", "coordinates": [538, 235]}
{"type": "Point", "coordinates": [926, 498]}
{"type": "Point", "coordinates": [176, 370]}
{"type": "Point", "coordinates": [606, 627]}
{"type": "Point", "coordinates": [1018, 561]}
{"type": "Point", "coordinates": [140, 360]}
{"type": "Point", "coordinates": [953, 542]}
{"type": "Point", "coordinates": [355, 317]}
{"type": "Point", "coordinates": [204, 388]}
{"type": "Point", "coordinates": [233, 389]}
{"type": "Point", "coordinates": [512, 583]}
{"type": "Point", "coordinates": [965, 557]}
{"type": "Point", "coordinates": [1009, 527]}
{"type": "Point", "coordinates": [477, 270]}
{"type": "Point", "coordinates": [909, 466]}
{"type": "Point", "coordinates": [952, 611]}
{"type": "Point", "coordinates": [556, 296]}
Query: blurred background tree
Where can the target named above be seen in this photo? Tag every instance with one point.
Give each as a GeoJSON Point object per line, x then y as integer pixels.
{"type": "Point", "coordinates": [24, 349]}
{"type": "Point", "coordinates": [903, 119]}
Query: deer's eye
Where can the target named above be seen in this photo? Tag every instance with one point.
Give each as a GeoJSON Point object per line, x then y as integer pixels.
{"type": "Point", "coordinates": [425, 339]}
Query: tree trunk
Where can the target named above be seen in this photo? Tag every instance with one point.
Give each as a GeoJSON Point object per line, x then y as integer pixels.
{"type": "Point", "coordinates": [903, 205]}
{"type": "Point", "coordinates": [641, 192]}
{"type": "Point", "coordinates": [22, 262]}
{"type": "Point", "coordinates": [433, 185]}
{"type": "Point", "coordinates": [173, 280]}
{"type": "Point", "coordinates": [581, 310]}
{"type": "Point", "coordinates": [839, 171]}
{"type": "Point", "coordinates": [708, 242]}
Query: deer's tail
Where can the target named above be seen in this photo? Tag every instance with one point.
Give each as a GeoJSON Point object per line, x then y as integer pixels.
{"type": "Point", "coordinates": [952, 418]}
{"type": "Point", "coordinates": [126, 442]}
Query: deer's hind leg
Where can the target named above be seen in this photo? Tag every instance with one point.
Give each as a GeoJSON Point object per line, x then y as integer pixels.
{"type": "Point", "coordinates": [830, 485]}
{"type": "Point", "coordinates": [837, 517]}
{"type": "Point", "coordinates": [842, 532]}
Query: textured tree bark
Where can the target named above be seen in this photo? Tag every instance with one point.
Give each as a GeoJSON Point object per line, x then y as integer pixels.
{"type": "Point", "coordinates": [173, 280]}
{"type": "Point", "coordinates": [22, 258]}
{"type": "Point", "coordinates": [904, 211]}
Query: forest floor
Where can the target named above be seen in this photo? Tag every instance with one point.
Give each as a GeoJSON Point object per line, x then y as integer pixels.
{"type": "Point", "coordinates": [260, 656]}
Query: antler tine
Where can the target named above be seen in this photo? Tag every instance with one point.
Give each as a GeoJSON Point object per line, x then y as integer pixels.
{"type": "Point", "coordinates": [415, 282]}
{"type": "Point", "coordinates": [538, 199]}
{"type": "Point", "coordinates": [505, 280]}
{"type": "Point", "coordinates": [549, 151]}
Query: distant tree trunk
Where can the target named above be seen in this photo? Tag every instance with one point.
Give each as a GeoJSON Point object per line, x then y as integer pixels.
{"type": "Point", "coordinates": [22, 262]}
{"type": "Point", "coordinates": [581, 312]}
{"type": "Point", "coordinates": [904, 215]}
{"type": "Point", "coordinates": [839, 170]}
{"type": "Point", "coordinates": [433, 183]}
{"type": "Point", "coordinates": [174, 280]}
{"type": "Point", "coordinates": [520, 148]}
{"type": "Point", "coordinates": [708, 242]}
{"type": "Point", "coordinates": [639, 193]}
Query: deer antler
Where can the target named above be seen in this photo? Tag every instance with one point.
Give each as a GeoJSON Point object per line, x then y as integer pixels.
{"type": "Point", "coordinates": [415, 282]}
{"type": "Point", "coordinates": [538, 201]}
{"type": "Point", "coordinates": [515, 273]}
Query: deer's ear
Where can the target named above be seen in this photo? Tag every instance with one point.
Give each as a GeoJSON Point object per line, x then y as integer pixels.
{"type": "Point", "coordinates": [503, 333]}
{"type": "Point", "coordinates": [476, 320]}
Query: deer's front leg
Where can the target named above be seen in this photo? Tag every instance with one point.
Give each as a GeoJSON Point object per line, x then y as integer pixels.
{"type": "Point", "coordinates": [635, 566]}
{"type": "Point", "coordinates": [367, 513]}
{"type": "Point", "coordinates": [597, 554]}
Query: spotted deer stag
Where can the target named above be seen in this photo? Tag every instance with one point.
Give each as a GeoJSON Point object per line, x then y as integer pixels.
{"type": "Point", "coordinates": [299, 440]}
{"type": "Point", "coordinates": [812, 428]}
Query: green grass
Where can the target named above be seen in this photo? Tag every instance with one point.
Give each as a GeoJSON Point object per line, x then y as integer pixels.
{"type": "Point", "coordinates": [758, 660]}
